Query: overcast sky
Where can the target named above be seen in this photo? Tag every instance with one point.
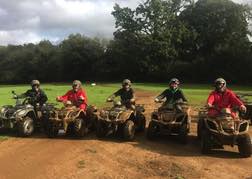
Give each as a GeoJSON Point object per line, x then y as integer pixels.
{"type": "Point", "coordinates": [23, 21]}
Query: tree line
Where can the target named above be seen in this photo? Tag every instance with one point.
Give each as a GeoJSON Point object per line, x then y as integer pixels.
{"type": "Point", "coordinates": [157, 40]}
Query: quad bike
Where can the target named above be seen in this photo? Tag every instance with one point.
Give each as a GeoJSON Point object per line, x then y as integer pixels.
{"type": "Point", "coordinates": [122, 120]}
{"type": "Point", "coordinates": [223, 130]}
{"type": "Point", "coordinates": [74, 121]}
{"type": "Point", "coordinates": [167, 120]}
{"type": "Point", "coordinates": [23, 117]}
{"type": "Point", "coordinates": [246, 99]}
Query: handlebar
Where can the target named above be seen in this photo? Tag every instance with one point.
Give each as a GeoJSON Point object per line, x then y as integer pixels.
{"type": "Point", "coordinates": [176, 102]}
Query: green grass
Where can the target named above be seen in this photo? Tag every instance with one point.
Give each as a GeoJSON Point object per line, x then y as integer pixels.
{"type": "Point", "coordinates": [96, 95]}
{"type": "Point", "coordinates": [2, 138]}
{"type": "Point", "coordinates": [196, 94]}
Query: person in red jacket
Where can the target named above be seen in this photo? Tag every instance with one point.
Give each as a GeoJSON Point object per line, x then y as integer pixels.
{"type": "Point", "coordinates": [77, 96]}
{"type": "Point", "coordinates": [221, 98]}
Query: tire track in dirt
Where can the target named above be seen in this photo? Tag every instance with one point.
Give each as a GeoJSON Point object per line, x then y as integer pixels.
{"type": "Point", "coordinates": [39, 157]}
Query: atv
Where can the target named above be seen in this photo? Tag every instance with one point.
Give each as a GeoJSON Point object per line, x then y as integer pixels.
{"type": "Point", "coordinates": [120, 120]}
{"type": "Point", "coordinates": [247, 100]}
{"type": "Point", "coordinates": [23, 117]}
{"type": "Point", "coordinates": [74, 121]}
{"type": "Point", "coordinates": [223, 130]}
{"type": "Point", "coordinates": [167, 120]}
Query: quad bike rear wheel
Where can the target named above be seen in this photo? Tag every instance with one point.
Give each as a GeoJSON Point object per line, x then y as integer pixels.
{"type": "Point", "coordinates": [26, 127]}
{"type": "Point", "coordinates": [244, 145]}
{"type": "Point", "coordinates": [140, 122]}
{"type": "Point", "coordinates": [80, 127]}
{"type": "Point", "coordinates": [129, 130]}
{"type": "Point", "coordinates": [101, 129]}
{"type": "Point", "coordinates": [152, 131]}
{"type": "Point", "coordinates": [52, 130]}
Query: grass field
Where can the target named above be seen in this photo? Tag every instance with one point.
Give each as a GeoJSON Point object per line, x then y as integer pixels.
{"type": "Point", "coordinates": [97, 95]}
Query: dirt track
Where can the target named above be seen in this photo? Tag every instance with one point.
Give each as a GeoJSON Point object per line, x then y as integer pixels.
{"type": "Point", "coordinates": [39, 157]}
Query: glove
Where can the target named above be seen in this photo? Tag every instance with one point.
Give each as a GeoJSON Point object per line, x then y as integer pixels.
{"type": "Point", "coordinates": [243, 108]}
{"type": "Point", "coordinates": [58, 99]}
{"type": "Point", "coordinates": [156, 100]}
{"type": "Point", "coordinates": [15, 97]}
{"type": "Point", "coordinates": [81, 99]}
{"type": "Point", "coordinates": [209, 105]}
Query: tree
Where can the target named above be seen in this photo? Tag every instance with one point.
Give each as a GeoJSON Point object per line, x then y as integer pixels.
{"type": "Point", "coordinates": [149, 37]}
{"type": "Point", "coordinates": [222, 37]}
{"type": "Point", "coordinates": [78, 55]}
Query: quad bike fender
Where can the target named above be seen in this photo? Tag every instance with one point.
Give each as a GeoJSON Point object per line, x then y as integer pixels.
{"type": "Point", "coordinates": [81, 113]}
{"type": "Point", "coordinates": [70, 117]}
{"type": "Point", "coordinates": [6, 107]}
{"type": "Point", "coordinates": [21, 113]}
{"type": "Point", "coordinates": [125, 115]}
{"type": "Point", "coordinates": [91, 109]}
{"type": "Point", "coordinates": [241, 128]}
{"type": "Point", "coordinates": [184, 118]}
{"type": "Point", "coordinates": [4, 110]}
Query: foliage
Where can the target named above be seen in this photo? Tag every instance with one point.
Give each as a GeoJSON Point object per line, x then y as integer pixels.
{"type": "Point", "coordinates": [157, 40]}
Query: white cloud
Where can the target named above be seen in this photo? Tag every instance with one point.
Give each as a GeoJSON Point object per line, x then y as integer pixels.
{"type": "Point", "coordinates": [33, 20]}
{"type": "Point", "coordinates": [30, 20]}
{"type": "Point", "coordinates": [18, 37]}
{"type": "Point", "coordinates": [243, 1]}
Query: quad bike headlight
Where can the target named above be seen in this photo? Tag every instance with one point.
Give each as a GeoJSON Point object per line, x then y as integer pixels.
{"type": "Point", "coordinates": [2, 110]}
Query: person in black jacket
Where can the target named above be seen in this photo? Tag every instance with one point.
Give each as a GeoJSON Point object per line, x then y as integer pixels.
{"type": "Point", "coordinates": [172, 95]}
{"type": "Point", "coordinates": [36, 95]}
{"type": "Point", "coordinates": [126, 94]}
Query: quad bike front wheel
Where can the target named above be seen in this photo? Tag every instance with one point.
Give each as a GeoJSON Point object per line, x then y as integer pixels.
{"type": "Point", "coordinates": [183, 133]}
{"type": "Point", "coordinates": [152, 131]}
{"type": "Point", "coordinates": [26, 127]}
{"type": "Point", "coordinates": [244, 145]}
{"type": "Point", "coordinates": [70, 129]}
{"type": "Point", "coordinates": [199, 128]}
{"type": "Point", "coordinates": [80, 127]}
{"type": "Point", "coordinates": [129, 130]}
{"type": "Point", "coordinates": [205, 142]}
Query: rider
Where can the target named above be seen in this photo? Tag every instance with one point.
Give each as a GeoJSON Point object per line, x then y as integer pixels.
{"type": "Point", "coordinates": [36, 95]}
{"type": "Point", "coordinates": [173, 94]}
{"type": "Point", "coordinates": [126, 94]}
{"type": "Point", "coordinates": [77, 96]}
{"type": "Point", "coordinates": [222, 98]}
